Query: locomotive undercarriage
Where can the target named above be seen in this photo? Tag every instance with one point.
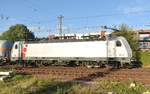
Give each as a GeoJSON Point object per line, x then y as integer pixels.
{"type": "Point", "coordinates": [90, 63]}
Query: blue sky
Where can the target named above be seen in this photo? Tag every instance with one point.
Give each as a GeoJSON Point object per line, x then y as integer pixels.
{"type": "Point", "coordinates": [80, 16]}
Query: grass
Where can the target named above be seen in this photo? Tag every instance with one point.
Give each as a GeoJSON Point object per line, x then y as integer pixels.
{"type": "Point", "coordinates": [23, 84]}
{"type": "Point", "coordinates": [27, 84]}
{"type": "Point", "coordinates": [103, 87]}
{"type": "Point", "coordinates": [145, 58]}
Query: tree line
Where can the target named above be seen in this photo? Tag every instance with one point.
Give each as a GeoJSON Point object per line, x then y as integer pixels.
{"type": "Point", "coordinates": [17, 32]}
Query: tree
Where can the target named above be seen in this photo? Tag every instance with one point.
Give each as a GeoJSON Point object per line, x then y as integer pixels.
{"type": "Point", "coordinates": [17, 32]}
{"type": "Point", "coordinates": [132, 39]}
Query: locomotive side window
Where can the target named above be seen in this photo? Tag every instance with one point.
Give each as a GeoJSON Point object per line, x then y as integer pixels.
{"type": "Point", "coordinates": [118, 43]}
{"type": "Point", "coordinates": [16, 46]}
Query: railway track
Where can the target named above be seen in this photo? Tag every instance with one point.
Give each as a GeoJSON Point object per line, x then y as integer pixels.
{"type": "Point", "coordinates": [141, 75]}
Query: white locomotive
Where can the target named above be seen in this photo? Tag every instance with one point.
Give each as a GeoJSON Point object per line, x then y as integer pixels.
{"type": "Point", "coordinates": [115, 51]}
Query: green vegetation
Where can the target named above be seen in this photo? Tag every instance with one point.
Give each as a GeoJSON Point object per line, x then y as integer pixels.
{"type": "Point", "coordinates": [131, 37]}
{"type": "Point", "coordinates": [103, 87]}
{"type": "Point", "coordinates": [145, 58]}
{"type": "Point", "coordinates": [17, 32]}
{"type": "Point", "coordinates": [23, 84]}
{"type": "Point", "coordinates": [27, 84]}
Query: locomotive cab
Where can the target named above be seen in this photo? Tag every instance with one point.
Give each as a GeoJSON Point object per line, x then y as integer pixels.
{"type": "Point", "coordinates": [16, 51]}
{"type": "Point", "coordinates": [118, 51]}
{"type": "Point", "coordinates": [123, 51]}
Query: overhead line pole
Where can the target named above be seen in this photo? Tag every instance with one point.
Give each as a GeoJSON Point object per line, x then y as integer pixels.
{"type": "Point", "coordinates": [59, 28]}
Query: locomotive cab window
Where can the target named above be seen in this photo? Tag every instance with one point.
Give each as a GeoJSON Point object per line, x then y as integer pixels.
{"type": "Point", "coordinates": [16, 46]}
{"type": "Point", "coordinates": [118, 43]}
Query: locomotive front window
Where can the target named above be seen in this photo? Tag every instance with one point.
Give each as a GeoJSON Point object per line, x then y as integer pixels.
{"type": "Point", "coordinates": [16, 46]}
{"type": "Point", "coordinates": [118, 43]}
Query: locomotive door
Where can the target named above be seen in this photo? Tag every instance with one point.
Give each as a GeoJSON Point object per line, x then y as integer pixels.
{"type": "Point", "coordinates": [20, 50]}
{"type": "Point", "coordinates": [111, 50]}
{"type": "Point", "coordinates": [17, 50]}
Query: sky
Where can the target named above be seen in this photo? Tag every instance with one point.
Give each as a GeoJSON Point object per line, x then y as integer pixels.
{"type": "Point", "coordinates": [79, 16]}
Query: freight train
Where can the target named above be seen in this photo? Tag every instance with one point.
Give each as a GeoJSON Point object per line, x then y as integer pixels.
{"type": "Point", "coordinates": [113, 52]}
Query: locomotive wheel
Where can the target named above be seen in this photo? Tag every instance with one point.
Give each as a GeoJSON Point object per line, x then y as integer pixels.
{"type": "Point", "coordinates": [72, 64]}
{"type": "Point", "coordinates": [117, 65]}
{"type": "Point", "coordinates": [113, 65]}
{"type": "Point", "coordinates": [127, 66]}
{"type": "Point", "coordinates": [109, 66]}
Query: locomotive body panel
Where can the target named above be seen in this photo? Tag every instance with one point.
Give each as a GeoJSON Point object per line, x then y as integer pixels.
{"type": "Point", "coordinates": [114, 49]}
{"type": "Point", "coordinates": [69, 49]}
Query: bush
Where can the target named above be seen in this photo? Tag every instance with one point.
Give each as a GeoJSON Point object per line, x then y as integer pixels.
{"type": "Point", "coordinates": [145, 58]}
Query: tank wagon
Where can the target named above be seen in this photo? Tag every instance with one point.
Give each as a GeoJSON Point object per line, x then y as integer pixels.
{"type": "Point", "coordinates": [115, 52]}
{"type": "Point", "coordinates": [5, 50]}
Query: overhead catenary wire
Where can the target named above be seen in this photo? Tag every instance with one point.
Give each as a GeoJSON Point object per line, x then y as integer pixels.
{"type": "Point", "coordinates": [35, 8]}
{"type": "Point", "coordinates": [107, 15]}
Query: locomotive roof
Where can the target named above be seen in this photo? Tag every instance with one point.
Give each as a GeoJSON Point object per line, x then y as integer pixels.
{"type": "Point", "coordinates": [65, 40]}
